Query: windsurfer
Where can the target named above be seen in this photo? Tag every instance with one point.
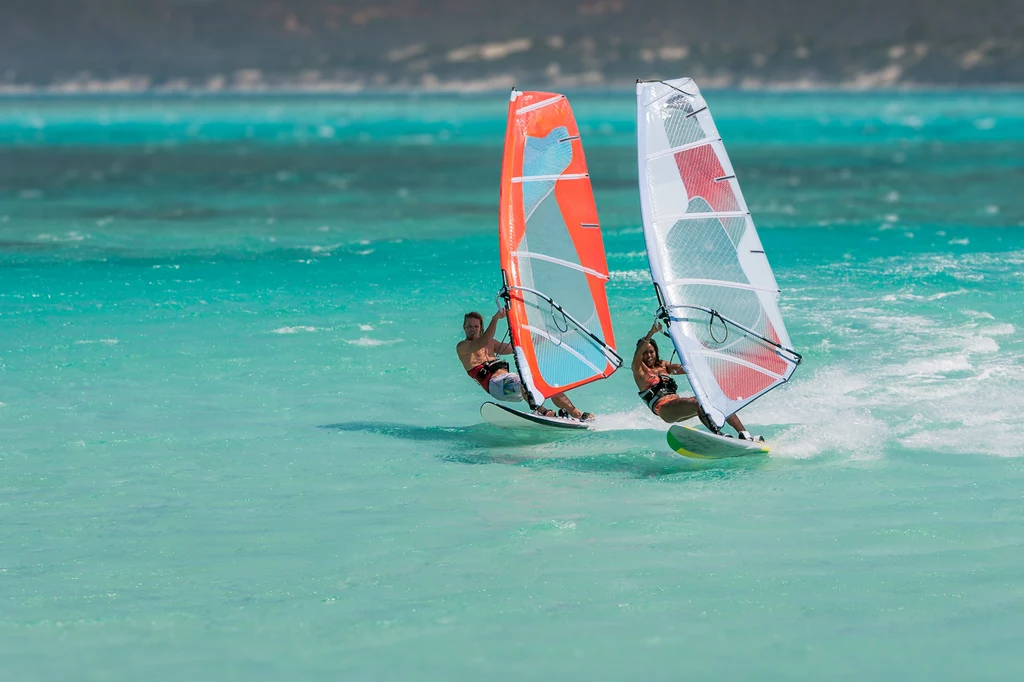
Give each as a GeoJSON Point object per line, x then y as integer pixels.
{"type": "Point", "coordinates": [478, 353]}
{"type": "Point", "coordinates": [658, 388]}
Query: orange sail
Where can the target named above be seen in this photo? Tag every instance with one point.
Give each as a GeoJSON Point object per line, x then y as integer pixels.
{"type": "Point", "coordinates": [552, 254]}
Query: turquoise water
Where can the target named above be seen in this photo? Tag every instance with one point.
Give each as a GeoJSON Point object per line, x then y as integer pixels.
{"type": "Point", "coordinates": [236, 442]}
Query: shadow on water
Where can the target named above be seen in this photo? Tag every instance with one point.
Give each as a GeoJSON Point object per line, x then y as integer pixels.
{"type": "Point", "coordinates": [635, 452]}
{"type": "Point", "coordinates": [479, 435]}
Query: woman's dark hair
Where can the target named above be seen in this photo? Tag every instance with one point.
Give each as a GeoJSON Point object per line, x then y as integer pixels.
{"type": "Point", "coordinates": [654, 344]}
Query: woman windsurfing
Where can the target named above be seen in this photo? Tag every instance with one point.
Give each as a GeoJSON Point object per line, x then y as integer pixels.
{"type": "Point", "coordinates": [658, 390]}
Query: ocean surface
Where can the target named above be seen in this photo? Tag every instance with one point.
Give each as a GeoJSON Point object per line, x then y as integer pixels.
{"type": "Point", "coordinates": [236, 442]}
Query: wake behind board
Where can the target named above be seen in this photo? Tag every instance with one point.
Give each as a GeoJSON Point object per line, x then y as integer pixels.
{"type": "Point", "coordinates": [507, 418]}
{"type": "Point", "coordinates": [691, 442]}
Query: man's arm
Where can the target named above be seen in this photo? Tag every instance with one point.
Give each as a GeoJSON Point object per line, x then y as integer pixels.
{"type": "Point", "coordinates": [488, 335]}
{"type": "Point", "coordinates": [502, 348]}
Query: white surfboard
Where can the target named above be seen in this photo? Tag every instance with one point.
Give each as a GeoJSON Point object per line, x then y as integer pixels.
{"type": "Point", "coordinates": [700, 444]}
{"type": "Point", "coordinates": [507, 418]}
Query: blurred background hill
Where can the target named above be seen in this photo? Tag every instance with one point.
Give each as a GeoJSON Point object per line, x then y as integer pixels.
{"type": "Point", "coordinates": [78, 45]}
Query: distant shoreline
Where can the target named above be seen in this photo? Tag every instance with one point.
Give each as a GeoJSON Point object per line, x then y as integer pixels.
{"type": "Point", "coordinates": [113, 89]}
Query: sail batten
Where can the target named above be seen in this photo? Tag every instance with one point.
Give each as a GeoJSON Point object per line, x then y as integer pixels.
{"type": "Point", "coordinates": [738, 361]}
{"type": "Point", "coordinates": [543, 178]}
{"type": "Point", "coordinates": [568, 349]}
{"type": "Point", "coordinates": [695, 216]}
{"type": "Point", "coordinates": [559, 261]}
{"type": "Point", "coordinates": [552, 253]}
{"type": "Point", "coordinates": [537, 105]}
{"type": "Point", "coordinates": [705, 255]}
{"type": "Point", "coordinates": [718, 283]}
{"type": "Point", "coordinates": [682, 148]}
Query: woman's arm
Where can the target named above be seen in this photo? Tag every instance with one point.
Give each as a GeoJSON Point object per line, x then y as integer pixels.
{"type": "Point", "coordinates": [674, 369]}
{"type": "Point", "coordinates": [641, 348]}
{"type": "Point", "coordinates": [638, 356]}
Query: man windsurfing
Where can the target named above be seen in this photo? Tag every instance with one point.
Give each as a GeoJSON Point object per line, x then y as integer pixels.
{"type": "Point", "coordinates": [658, 389]}
{"type": "Point", "coordinates": [478, 353]}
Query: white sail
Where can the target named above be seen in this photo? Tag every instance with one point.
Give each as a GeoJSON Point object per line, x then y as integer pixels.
{"type": "Point", "coordinates": [708, 266]}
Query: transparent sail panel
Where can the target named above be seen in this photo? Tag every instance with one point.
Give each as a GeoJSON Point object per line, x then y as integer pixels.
{"type": "Point", "coordinates": [565, 355]}
{"type": "Point", "coordinates": [702, 248]}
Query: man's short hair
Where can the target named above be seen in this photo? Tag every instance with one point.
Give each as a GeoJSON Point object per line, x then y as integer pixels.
{"type": "Point", "coordinates": [475, 315]}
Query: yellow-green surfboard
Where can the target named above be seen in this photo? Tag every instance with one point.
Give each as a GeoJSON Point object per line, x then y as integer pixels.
{"type": "Point", "coordinates": [699, 444]}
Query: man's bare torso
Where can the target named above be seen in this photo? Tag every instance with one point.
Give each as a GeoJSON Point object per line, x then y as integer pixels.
{"type": "Point", "coordinates": [471, 360]}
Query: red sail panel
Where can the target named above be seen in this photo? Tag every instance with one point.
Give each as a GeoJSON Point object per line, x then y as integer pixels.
{"type": "Point", "coordinates": [702, 175]}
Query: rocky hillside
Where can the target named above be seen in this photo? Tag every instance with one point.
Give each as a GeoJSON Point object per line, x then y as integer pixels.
{"type": "Point", "coordinates": [467, 44]}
